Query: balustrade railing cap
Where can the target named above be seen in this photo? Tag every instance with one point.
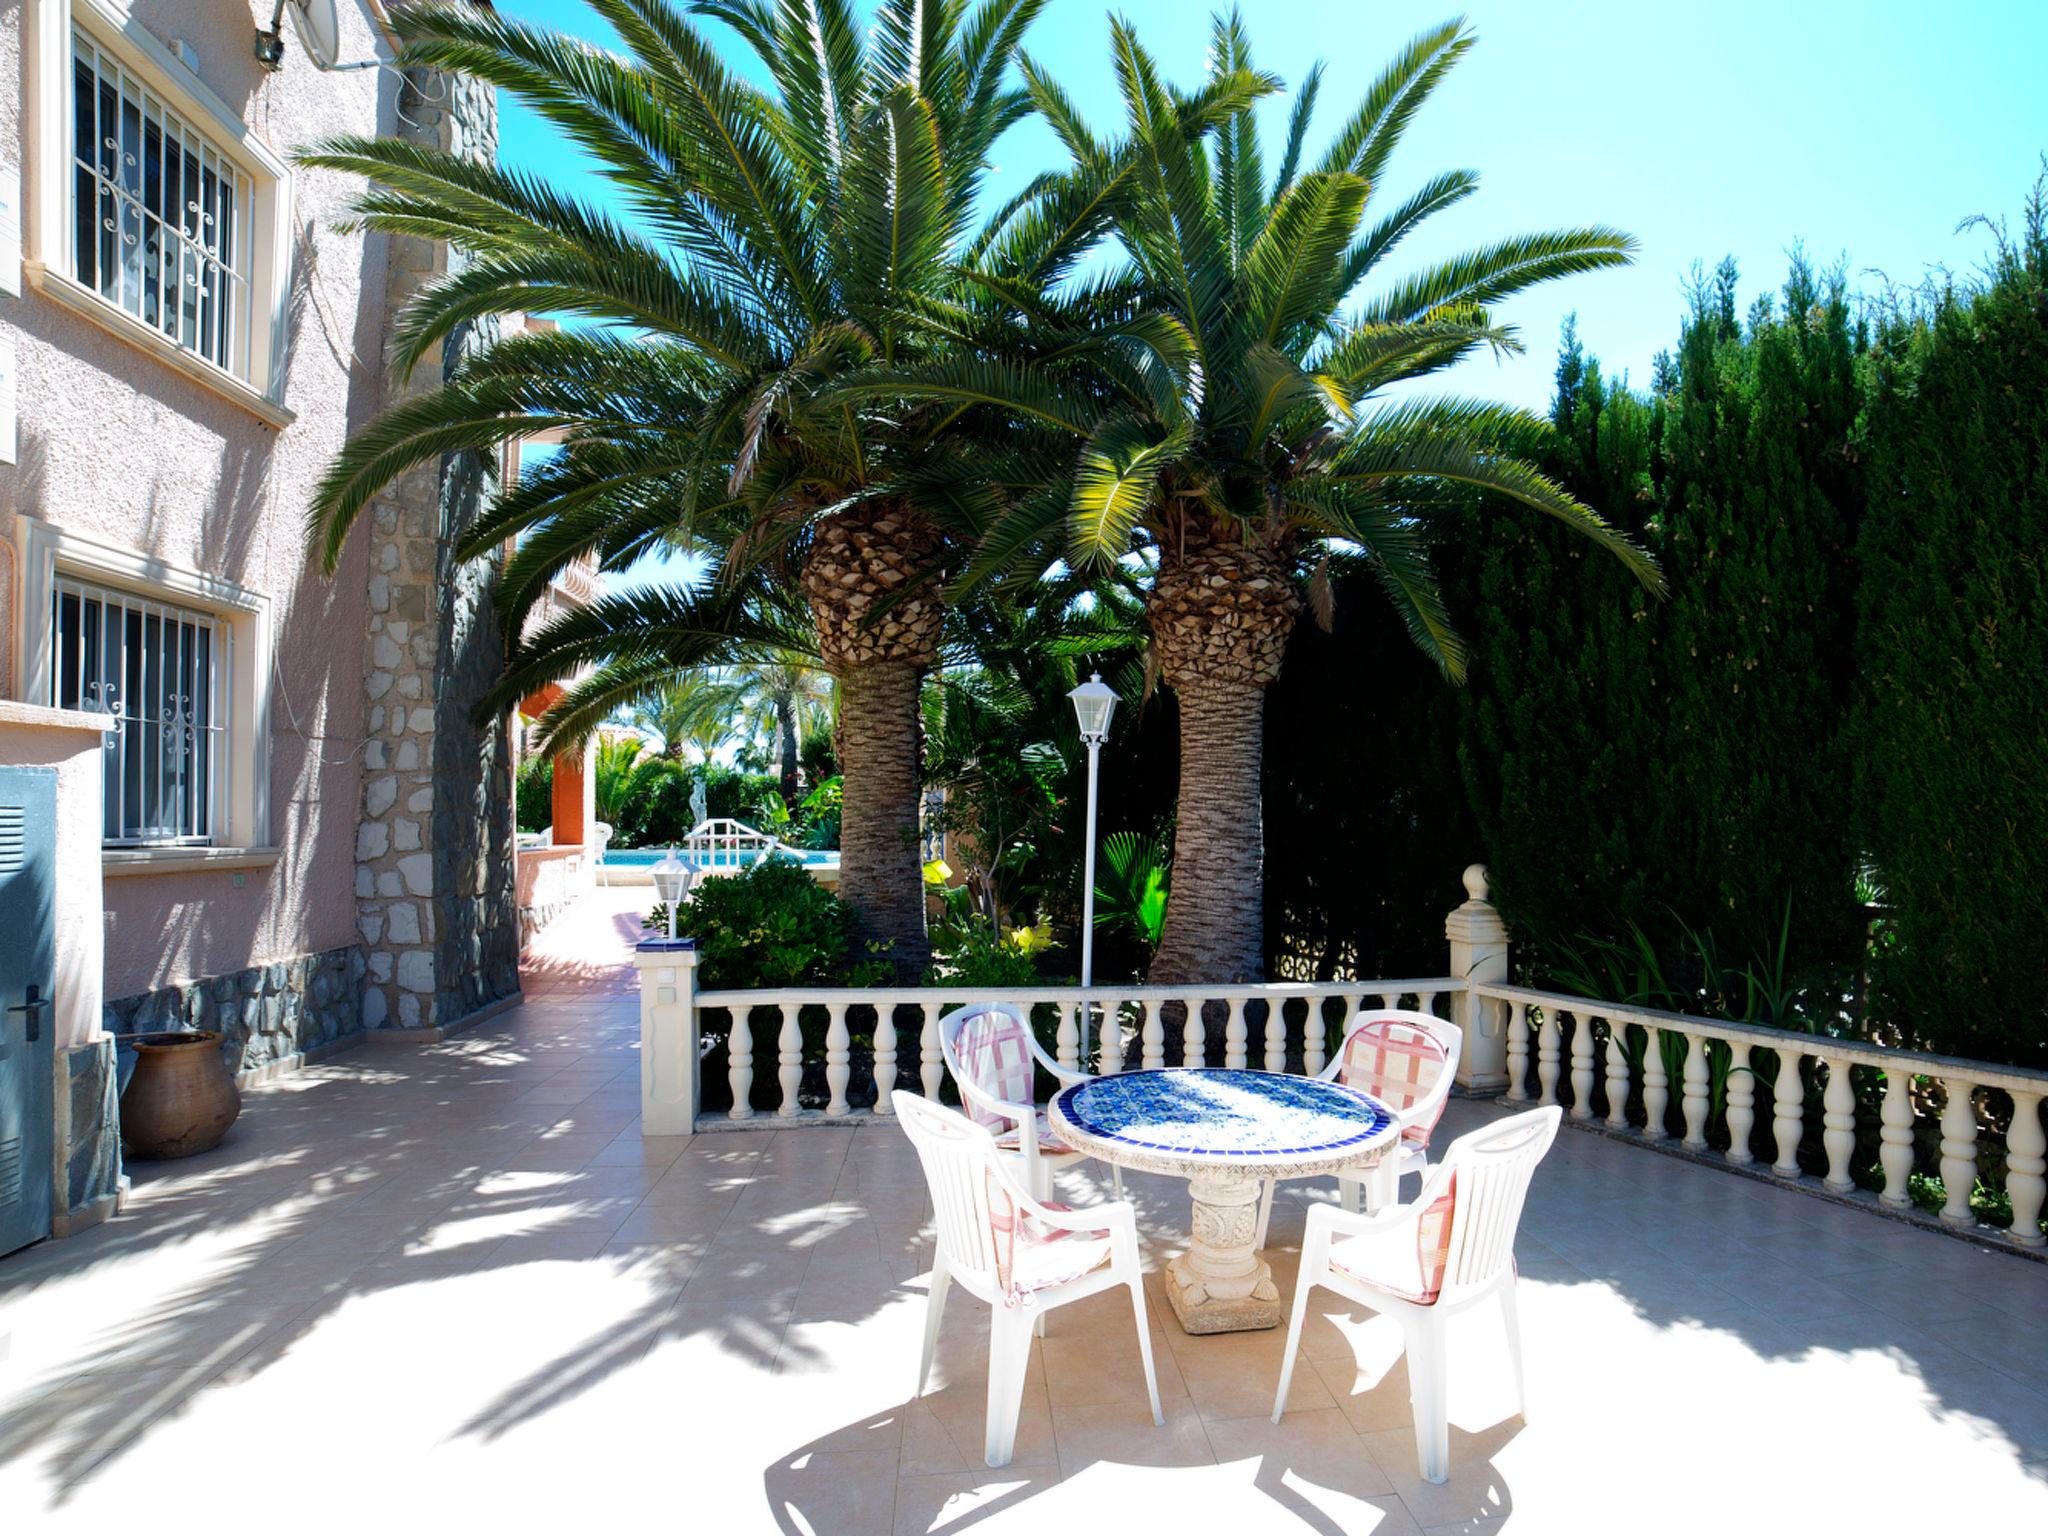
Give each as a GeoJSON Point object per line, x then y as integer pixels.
{"type": "Point", "coordinates": [664, 946]}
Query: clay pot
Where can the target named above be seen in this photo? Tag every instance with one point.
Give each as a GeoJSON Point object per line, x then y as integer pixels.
{"type": "Point", "coordinates": [182, 1098]}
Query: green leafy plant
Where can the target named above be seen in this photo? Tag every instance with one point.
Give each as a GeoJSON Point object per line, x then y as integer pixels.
{"type": "Point", "coordinates": [770, 926]}
{"type": "Point", "coordinates": [1131, 888]}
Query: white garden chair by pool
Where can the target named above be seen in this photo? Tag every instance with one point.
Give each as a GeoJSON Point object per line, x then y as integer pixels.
{"type": "Point", "coordinates": [1021, 1255]}
{"type": "Point", "coordinates": [600, 840]}
{"type": "Point", "coordinates": [991, 1052]}
{"type": "Point", "coordinates": [1407, 1061]}
{"type": "Point", "coordinates": [1422, 1264]}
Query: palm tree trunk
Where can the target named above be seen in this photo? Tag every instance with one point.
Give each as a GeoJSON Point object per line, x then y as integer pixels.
{"type": "Point", "coordinates": [1215, 928]}
{"type": "Point", "coordinates": [785, 727]}
{"type": "Point", "coordinates": [880, 874]}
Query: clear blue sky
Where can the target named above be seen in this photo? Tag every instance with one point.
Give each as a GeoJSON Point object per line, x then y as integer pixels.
{"type": "Point", "coordinates": [1865, 130]}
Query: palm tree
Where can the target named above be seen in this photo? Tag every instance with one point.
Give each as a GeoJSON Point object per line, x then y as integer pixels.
{"type": "Point", "coordinates": [680, 710]}
{"type": "Point", "coordinates": [770, 240]}
{"type": "Point", "coordinates": [1274, 452]}
{"type": "Point", "coordinates": [781, 695]}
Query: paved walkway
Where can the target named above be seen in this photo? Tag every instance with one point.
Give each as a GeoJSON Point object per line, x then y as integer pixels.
{"type": "Point", "coordinates": [453, 1288]}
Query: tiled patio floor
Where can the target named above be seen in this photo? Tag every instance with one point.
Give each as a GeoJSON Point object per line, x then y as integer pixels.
{"type": "Point", "coordinates": [452, 1288]}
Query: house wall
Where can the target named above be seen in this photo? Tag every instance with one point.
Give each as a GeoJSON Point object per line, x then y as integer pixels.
{"type": "Point", "coordinates": [116, 445]}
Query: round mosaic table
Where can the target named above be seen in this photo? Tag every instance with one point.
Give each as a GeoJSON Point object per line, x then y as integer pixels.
{"type": "Point", "coordinates": [1226, 1133]}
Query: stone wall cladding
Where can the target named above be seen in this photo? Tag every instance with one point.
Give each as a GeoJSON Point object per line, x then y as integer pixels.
{"type": "Point", "coordinates": [92, 1168]}
{"type": "Point", "coordinates": [265, 1014]}
{"type": "Point", "coordinates": [435, 845]}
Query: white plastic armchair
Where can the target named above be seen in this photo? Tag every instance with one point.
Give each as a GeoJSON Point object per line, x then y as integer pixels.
{"type": "Point", "coordinates": [1022, 1256]}
{"type": "Point", "coordinates": [600, 840]}
{"type": "Point", "coordinates": [1407, 1061]}
{"type": "Point", "coordinates": [1421, 1264]}
{"type": "Point", "coordinates": [991, 1052]}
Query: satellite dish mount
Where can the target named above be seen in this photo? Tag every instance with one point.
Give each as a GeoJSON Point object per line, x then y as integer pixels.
{"type": "Point", "coordinates": [318, 26]}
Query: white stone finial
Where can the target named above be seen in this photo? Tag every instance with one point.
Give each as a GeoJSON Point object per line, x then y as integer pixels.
{"type": "Point", "coordinates": [1475, 881]}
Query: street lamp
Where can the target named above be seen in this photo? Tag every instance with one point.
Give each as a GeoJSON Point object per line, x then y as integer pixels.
{"type": "Point", "coordinates": [672, 878]}
{"type": "Point", "coordinates": [1094, 702]}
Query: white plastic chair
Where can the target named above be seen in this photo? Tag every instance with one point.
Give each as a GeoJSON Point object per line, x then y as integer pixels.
{"type": "Point", "coordinates": [600, 840]}
{"type": "Point", "coordinates": [990, 1051]}
{"type": "Point", "coordinates": [1408, 1062]}
{"type": "Point", "coordinates": [1020, 1255]}
{"type": "Point", "coordinates": [1420, 1264]}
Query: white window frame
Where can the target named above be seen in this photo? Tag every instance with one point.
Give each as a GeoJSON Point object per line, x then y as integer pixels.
{"type": "Point", "coordinates": [49, 259]}
{"type": "Point", "coordinates": [244, 621]}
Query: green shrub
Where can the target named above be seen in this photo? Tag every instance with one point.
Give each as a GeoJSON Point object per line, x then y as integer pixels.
{"type": "Point", "coordinates": [770, 926]}
{"type": "Point", "coordinates": [533, 794]}
{"type": "Point", "coordinates": [1952, 735]}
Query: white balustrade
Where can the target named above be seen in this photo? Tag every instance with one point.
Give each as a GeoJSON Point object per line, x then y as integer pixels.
{"type": "Point", "coordinates": [1741, 1103]}
{"type": "Point", "coordinates": [1895, 1155]}
{"type": "Point", "coordinates": [1066, 1048]}
{"type": "Point", "coordinates": [1617, 1075]}
{"type": "Point", "coordinates": [739, 1066]}
{"type": "Point", "coordinates": [1694, 1102]}
{"type": "Point", "coordinates": [1276, 1037]}
{"type": "Point", "coordinates": [1518, 1053]}
{"type": "Point", "coordinates": [1958, 1150]}
{"type": "Point", "coordinates": [1193, 1035]}
{"type": "Point", "coordinates": [838, 1060]}
{"type": "Point", "coordinates": [789, 1061]}
{"type": "Point", "coordinates": [885, 1059]}
{"type": "Point", "coordinates": [1788, 1114]}
{"type": "Point", "coordinates": [1152, 1040]}
{"type": "Point", "coordinates": [931, 1061]}
{"type": "Point", "coordinates": [1235, 1040]}
{"type": "Point", "coordinates": [2026, 1160]}
{"type": "Point", "coordinates": [1656, 1086]}
{"type": "Point", "coordinates": [1582, 1066]}
{"type": "Point", "coordinates": [1838, 1124]}
{"type": "Point", "coordinates": [1546, 1058]}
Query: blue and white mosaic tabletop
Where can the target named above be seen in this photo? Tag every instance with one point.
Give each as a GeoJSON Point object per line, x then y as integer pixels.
{"type": "Point", "coordinates": [1182, 1116]}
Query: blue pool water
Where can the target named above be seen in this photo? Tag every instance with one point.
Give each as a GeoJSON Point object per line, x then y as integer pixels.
{"type": "Point", "coordinates": [646, 858]}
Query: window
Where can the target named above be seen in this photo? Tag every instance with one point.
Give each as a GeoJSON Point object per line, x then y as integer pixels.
{"type": "Point", "coordinates": [160, 212]}
{"type": "Point", "coordinates": [158, 670]}
{"type": "Point", "coordinates": [153, 210]}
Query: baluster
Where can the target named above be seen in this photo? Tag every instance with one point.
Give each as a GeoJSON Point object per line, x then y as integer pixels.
{"type": "Point", "coordinates": [1693, 1104]}
{"type": "Point", "coordinates": [838, 1060]}
{"type": "Point", "coordinates": [1066, 1043]}
{"type": "Point", "coordinates": [1194, 1044]}
{"type": "Point", "coordinates": [1617, 1074]}
{"type": "Point", "coordinates": [885, 1057]}
{"type": "Point", "coordinates": [931, 1062]}
{"type": "Point", "coordinates": [1582, 1066]}
{"type": "Point", "coordinates": [1152, 1039]}
{"type": "Point", "coordinates": [789, 1062]}
{"type": "Point", "coordinates": [739, 1067]}
{"type": "Point", "coordinates": [2025, 1146]}
{"type": "Point", "coordinates": [1390, 1000]}
{"type": "Point", "coordinates": [1788, 1114]}
{"type": "Point", "coordinates": [1958, 1151]}
{"type": "Point", "coordinates": [1518, 1053]}
{"type": "Point", "coordinates": [1109, 1038]}
{"type": "Point", "coordinates": [1741, 1103]}
{"type": "Point", "coordinates": [1276, 1034]}
{"type": "Point", "coordinates": [1656, 1085]}
{"type": "Point", "coordinates": [1425, 1002]}
{"type": "Point", "coordinates": [1838, 1124]}
{"type": "Point", "coordinates": [1234, 1035]}
{"type": "Point", "coordinates": [1546, 1058]}
{"type": "Point", "coordinates": [1895, 1154]}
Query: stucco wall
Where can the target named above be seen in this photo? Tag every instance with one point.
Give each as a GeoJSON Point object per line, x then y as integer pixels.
{"type": "Point", "coordinates": [117, 445]}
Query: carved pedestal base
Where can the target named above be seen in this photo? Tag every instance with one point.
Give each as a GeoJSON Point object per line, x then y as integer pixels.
{"type": "Point", "coordinates": [1221, 1285]}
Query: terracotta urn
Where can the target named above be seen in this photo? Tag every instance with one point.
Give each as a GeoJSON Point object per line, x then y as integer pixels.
{"type": "Point", "coordinates": [182, 1098]}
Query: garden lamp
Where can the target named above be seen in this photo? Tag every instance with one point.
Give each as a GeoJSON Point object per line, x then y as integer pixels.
{"type": "Point", "coordinates": [1094, 702]}
{"type": "Point", "coordinates": [672, 879]}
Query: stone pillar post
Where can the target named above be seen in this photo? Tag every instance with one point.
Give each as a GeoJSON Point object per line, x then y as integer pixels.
{"type": "Point", "coordinates": [668, 1036]}
{"type": "Point", "coordinates": [1479, 952]}
{"type": "Point", "coordinates": [435, 861]}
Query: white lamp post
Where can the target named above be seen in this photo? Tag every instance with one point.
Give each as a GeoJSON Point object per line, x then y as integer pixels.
{"type": "Point", "coordinates": [672, 879]}
{"type": "Point", "coordinates": [1094, 702]}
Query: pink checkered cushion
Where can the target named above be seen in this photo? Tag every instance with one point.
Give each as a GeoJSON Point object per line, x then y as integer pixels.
{"type": "Point", "coordinates": [1031, 1256]}
{"type": "Point", "coordinates": [1048, 1144]}
{"type": "Point", "coordinates": [994, 1053]}
{"type": "Point", "coordinates": [1398, 1063]}
{"type": "Point", "coordinates": [1386, 1264]}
